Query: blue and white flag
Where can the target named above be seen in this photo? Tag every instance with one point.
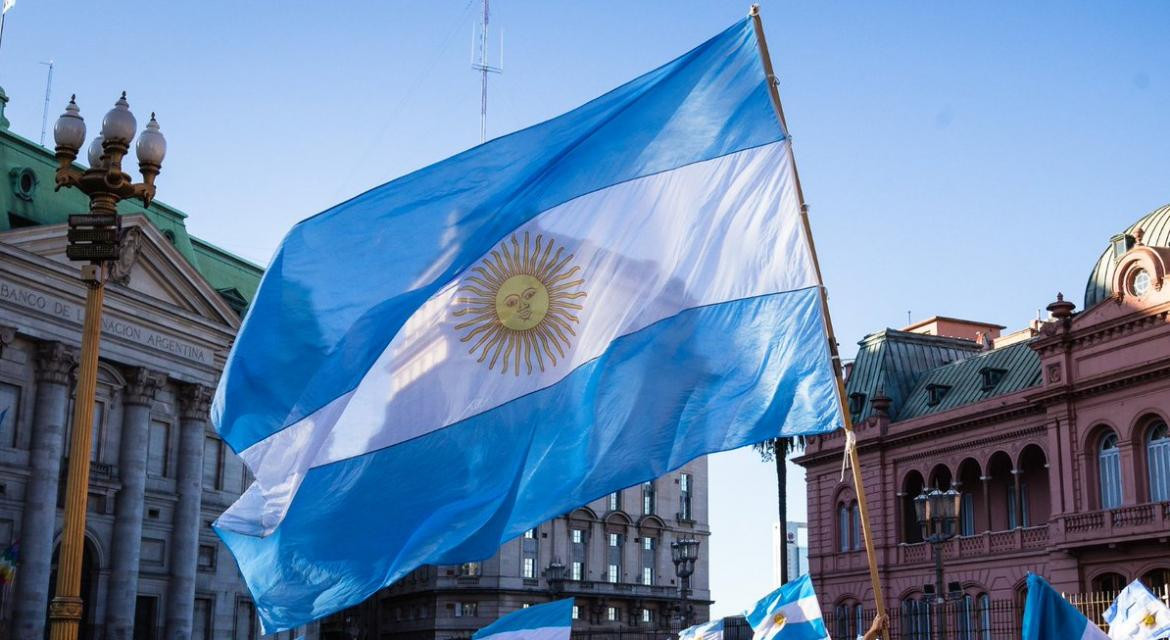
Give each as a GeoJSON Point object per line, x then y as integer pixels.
{"type": "Point", "coordinates": [789, 613]}
{"type": "Point", "coordinates": [1137, 614]}
{"type": "Point", "coordinates": [712, 630]}
{"type": "Point", "coordinates": [449, 359]}
{"type": "Point", "coordinates": [551, 621]}
{"type": "Point", "coordinates": [1048, 616]}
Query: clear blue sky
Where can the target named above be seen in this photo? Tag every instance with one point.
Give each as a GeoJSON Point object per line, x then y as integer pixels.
{"type": "Point", "coordinates": [967, 159]}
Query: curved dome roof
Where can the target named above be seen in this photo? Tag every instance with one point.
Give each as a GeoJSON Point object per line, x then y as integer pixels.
{"type": "Point", "coordinates": [1155, 228]}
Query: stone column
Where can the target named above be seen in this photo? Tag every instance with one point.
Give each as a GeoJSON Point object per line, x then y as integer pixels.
{"type": "Point", "coordinates": [1017, 508]}
{"type": "Point", "coordinates": [194, 401]}
{"type": "Point", "coordinates": [54, 361]}
{"type": "Point", "coordinates": [137, 397]}
{"type": "Point", "coordinates": [986, 481]}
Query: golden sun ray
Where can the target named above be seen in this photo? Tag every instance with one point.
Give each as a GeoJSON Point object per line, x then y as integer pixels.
{"type": "Point", "coordinates": [519, 304]}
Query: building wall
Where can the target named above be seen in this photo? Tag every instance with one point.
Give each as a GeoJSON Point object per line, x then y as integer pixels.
{"type": "Point", "coordinates": [431, 602]}
{"type": "Point", "coordinates": [1104, 370]}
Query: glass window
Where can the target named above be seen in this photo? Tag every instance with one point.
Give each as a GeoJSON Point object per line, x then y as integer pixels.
{"type": "Point", "coordinates": [859, 626]}
{"type": "Point", "coordinates": [201, 620]}
{"type": "Point", "coordinates": [470, 569]}
{"type": "Point", "coordinates": [615, 501]}
{"type": "Point", "coordinates": [647, 560]}
{"type": "Point", "coordinates": [576, 613]}
{"type": "Point", "coordinates": [530, 534]}
{"type": "Point", "coordinates": [528, 570]}
{"type": "Point", "coordinates": [1141, 282]}
{"type": "Point", "coordinates": [856, 528]}
{"type": "Point", "coordinates": [841, 617]}
{"type": "Point", "coordinates": [647, 498]}
{"type": "Point", "coordinates": [466, 609]}
{"type": "Point", "coordinates": [611, 614]}
{"type": "Point", "coordinates": [578, 536]}
{"type": "Point", "coordinates": [967, 514]}
{"type": "Point", "coordinates": [245, 623]}
{"type": "Point", "coordinates": [647, 615]}
{"type": "Point", "coordinates": [1109, 463]}
{"type": "Point", "coordinates": [212, 463]}
{"type": "Point", "coordinates": [984, 617]}
{"type": "Point", "coordinates": [157, 446]}
{"type": "Point", "coordinates": [9, 408]}
{"type": "Point", "coordinates": [843, 527]}
{"type": "Point", "coordinates": [1158, 461]}
{"type": "Point", "coordinates": [684, 497]}
{"type": "Point", "coordinates": [967, 618]}
{"type": "Point", "coordinates": [576, 570]}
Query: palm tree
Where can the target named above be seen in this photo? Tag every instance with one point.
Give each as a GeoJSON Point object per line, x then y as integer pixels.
{"type": "Point", "coordinates": [777, 450]}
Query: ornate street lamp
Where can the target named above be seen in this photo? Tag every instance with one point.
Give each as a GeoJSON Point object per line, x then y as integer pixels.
{"type": "Point", "coordinates": [938, 515]}
{"type": "Point", "coordinates": [554, 575]}
{"type": "Point", "coordinates": [93, 238]}
{"type": "Point", "coordinates": [684, 553]}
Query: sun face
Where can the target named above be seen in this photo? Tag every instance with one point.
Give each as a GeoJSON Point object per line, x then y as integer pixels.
{"type": "Point", "coordinates": [521, 305]}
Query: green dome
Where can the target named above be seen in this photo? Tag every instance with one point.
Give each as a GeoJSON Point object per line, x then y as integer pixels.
{"type": "Point", "coordinates": [1155, 228]}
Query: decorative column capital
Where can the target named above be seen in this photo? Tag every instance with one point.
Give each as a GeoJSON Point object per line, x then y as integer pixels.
{"type": "Point", "coordinates": [194, 401]}
{"type": "Point", "coordinates": [7, 335]}
{"type": "Point", "coordinates": [55, 362]}
{"type": "Point", "coordinates": [142, 385]}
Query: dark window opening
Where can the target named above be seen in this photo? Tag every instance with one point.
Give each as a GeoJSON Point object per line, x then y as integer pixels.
{"type": "Point", "coordinates": [936, 392]}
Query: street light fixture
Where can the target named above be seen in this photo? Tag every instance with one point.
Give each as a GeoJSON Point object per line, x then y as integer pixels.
{"type": "Point", "coordinates": [93, 238]}
{"type": "Point", "coordinates": [554, 575]}
{"type": "Point", "coordinates": [938, 515]}
{"type": "Point", "coordinates": [684, 553]}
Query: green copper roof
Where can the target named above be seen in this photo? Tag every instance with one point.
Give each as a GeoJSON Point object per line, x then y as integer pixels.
{"type": "Point", "coordinates": [1010, 369]}
{"type": "Point", "coordinates": [1155, 228]}
{"type": "Point", "coordinates": [234, 277]}
{"type": "Point", "coordinates": [894, 361]}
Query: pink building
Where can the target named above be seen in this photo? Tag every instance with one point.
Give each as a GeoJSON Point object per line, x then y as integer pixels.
{"type": "Point", "coordinates": [1056, 437]}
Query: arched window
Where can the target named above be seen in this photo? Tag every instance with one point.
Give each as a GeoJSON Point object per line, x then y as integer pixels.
{"type": "Point", "coordinates": [1158, 461]}
{"type": "Point", "coordinates": [1109, 583]}
{"type": "Point", "coordinates": [859, 626]}
{"type": "Point", "coordinates": [855, 512]}
{"type": "Point", "coordinates": [1157, 581]}
{"type": "Point", "coordinates": [966, 616]}
{"type": "Point", "coordinates": [1109, 464]}
{"type": "Point", "coordinates": [915, 619]}
{"type": "Point", "coordinates": [984, 617]}
{"type": "Point", "coordinates": [843, 527]}
{"type": "Point", "coordinates": [841, 619]}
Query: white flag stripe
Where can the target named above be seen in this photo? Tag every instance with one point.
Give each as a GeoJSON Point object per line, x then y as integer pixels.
{"type": "Point", "coordinates": [647, 249]}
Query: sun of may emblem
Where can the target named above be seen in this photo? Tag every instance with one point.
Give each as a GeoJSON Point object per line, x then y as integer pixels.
{"type": "Point", "coordinates": [519, 305]}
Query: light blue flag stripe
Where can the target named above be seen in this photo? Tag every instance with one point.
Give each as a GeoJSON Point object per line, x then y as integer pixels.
{"type": "Point", "coordinates": [708, 379]}
{"type": "Point", "coordinates": [1048, 616]}
{"type": "Point", "coordinates": [556, 614]}
{"type": "Point", "coordinates": [343, 282]}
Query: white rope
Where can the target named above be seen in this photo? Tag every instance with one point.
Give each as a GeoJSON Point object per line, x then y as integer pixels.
{"type": "Point", "coordinates": [850, 443]}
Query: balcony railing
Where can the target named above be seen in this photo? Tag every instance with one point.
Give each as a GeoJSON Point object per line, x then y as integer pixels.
{"type": "Point", "coordinates": [1129, 521]}
{"type": "Point", "coordinates": [979, 545]}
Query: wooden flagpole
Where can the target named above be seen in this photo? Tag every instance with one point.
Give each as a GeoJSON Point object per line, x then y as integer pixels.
{"type": "Point", "coordinates": [854, 461]}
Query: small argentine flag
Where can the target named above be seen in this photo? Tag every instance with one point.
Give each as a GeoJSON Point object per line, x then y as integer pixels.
{"type": "Point", "coordinates": [1047, 616]}
{"type": "Point", "coordinates": [790, 613]}
{"type": "Point", "coordinates": [1137, 614]}
{"type": "Point", "coordinates": [552, 621]}
{"type": "Point", "coordinates": [712, 630]}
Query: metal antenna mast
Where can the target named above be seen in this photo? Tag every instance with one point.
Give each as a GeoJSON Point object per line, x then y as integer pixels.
{"type": "Point", "coordinates": [481, 65]}
{"type": "Point", "coordinates": [48, 93]}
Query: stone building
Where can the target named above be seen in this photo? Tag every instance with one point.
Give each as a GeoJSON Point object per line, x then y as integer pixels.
{"type": "Point", "coordinates": [1056, 437]}
{"type": "Point", "coordinates": [159, 474]}
{"type": "Point", "coordinates": [617, 565]}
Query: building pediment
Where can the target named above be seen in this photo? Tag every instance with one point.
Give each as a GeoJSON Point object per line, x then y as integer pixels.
{"type": "Point", "coordinates": [149, 265]}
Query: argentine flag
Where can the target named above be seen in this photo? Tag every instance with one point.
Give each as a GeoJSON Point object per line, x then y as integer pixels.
{"type": "Point", "coordinates": [1048, 616]}
{"type": "Point", "coordinates": [445, 361]}
{"type": "Point", "coordinates": [712, 630]}
{"type": "Point", "coordinates": [551, 621]}
{"type": "Point", "coordinates": [789, 613]}
{"type": "Point", "coordinates": [1137, 614]}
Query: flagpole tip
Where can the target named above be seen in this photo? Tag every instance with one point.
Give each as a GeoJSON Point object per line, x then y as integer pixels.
{"type": "Point", "coordinates": [754, 10]}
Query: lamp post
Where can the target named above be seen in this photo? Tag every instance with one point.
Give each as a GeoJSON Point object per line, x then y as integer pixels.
{"type": "Point", "coordinates": [93, 238]}
{"type": "Point", "coordinates": [684, 553]}
{"type": "Point", "coordinates": [938, 515]}
{"type": "Point", "coordinates": [554, 575]}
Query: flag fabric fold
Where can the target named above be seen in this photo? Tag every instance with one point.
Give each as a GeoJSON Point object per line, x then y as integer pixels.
{"type": "Point", "coordinates": [712, 630]}
{"type": "Point", "coordinates": [1137, 614]}
{"type": "Point", "coordinates": [789, 613]}
{"type": "Point", "coordinates": [549, 621]}
{"type": "Point", "coordinates": [1048, 616]}
{"type": "Point", "coordinates": [443, 362]}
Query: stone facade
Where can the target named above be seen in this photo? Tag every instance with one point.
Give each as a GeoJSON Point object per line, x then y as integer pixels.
{"type": "Point", "coordinates": [1055, 437]}
{"type": "Point", "coordinates": [627, 587]}
{"type": "Point", "coordinates": [152, 566]}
